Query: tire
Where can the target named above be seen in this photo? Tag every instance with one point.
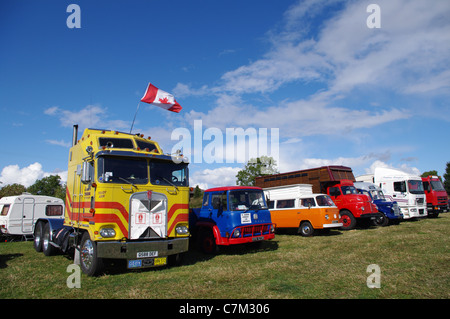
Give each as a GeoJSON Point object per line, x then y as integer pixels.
{"type": "Point", "coordinates": [47, 247]}
{"type": "Point", "coordinates": [306, 229]}
{"type": "Point", "coordinates": [38, 232]}
{"type": "Point", "coordinates": [381, 221]}
{"type": "Point", "coordinates": [207, 242]}
{"type": "Point", "coordinates": [90, 264]}
{"type": "Point", "coordinates": [348, 220]}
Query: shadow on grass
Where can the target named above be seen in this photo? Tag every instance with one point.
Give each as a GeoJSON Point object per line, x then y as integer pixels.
{"type": "Point", "coordinates": [7, 257]}
{"type": "Point", "coordinates": [191, 257]}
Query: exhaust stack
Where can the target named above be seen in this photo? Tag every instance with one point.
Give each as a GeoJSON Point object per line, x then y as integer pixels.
{"type": "Point", "coordinates": [75, 135]}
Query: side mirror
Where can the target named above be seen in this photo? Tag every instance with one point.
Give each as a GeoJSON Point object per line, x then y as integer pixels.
{"type": "Point", "coordinates": [87, 172]}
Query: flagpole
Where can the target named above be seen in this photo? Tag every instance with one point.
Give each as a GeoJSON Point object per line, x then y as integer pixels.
{"type": "Point", "coordinates": [132, 124]}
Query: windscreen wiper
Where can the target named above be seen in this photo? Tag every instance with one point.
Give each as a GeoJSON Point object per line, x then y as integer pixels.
{"type": "Point", "coordinates": [127, 181]}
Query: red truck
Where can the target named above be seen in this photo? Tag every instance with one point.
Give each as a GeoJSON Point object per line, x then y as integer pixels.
{"type": "Point", "coordinates": [437, 198]}
{"type": "Point", "coordinates": [337, 182]}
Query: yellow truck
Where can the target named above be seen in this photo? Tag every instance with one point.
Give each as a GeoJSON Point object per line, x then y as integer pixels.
{"type": "Point", "coordinates": [125, 199]}
{"type": "Point", "coordinates": [295, 206]}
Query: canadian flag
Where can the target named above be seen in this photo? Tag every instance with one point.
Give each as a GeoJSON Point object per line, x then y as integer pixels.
{"type": "Point", "coordinates": [160, 98]}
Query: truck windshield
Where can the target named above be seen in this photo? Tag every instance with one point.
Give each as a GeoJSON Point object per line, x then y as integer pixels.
{"type": "Point", "coordinates": [347, 190]}
{"type": "Point", "coordinates": [122, 170]}
{"type": "Point", "coordinates": [437, 186]}
{"type": "Point", "coordinates": [381, 194]}
{"type": "Point", "coordinates": [377, 194]}
{"type": "Point", "coordinates": [324, 200]}
{"type": "Point", "coordinates": [168, 173]}
{"type": "Point", "coordinates": [415, 187]}
{"type": "Point", "coordinates": [247, 199]}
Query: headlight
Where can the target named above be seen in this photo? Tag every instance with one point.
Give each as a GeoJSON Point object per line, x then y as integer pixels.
{"type": "Point", "coordinates": [181, 230]}
{"type": "Point", "coordinates": [272, 228]}
{"type": "Point", "coordinates": [108, 232]}
{"type": "Point", "coordinates": [236, 233]}
{"type": "Point", "coordinates": [362, 208]}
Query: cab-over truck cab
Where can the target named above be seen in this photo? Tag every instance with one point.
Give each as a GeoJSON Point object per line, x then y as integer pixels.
{"type": "Point", "coordinates": [437, 198]}
{"type": "Point", "coordinates": [230, 215]}
{"type": "Point", "coordinates": [125, 199]}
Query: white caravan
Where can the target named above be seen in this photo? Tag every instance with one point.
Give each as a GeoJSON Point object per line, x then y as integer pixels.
{"type": "Point", "coordinates": [18, 214]}
{"type": "Point", "coordinates": [404, 188]}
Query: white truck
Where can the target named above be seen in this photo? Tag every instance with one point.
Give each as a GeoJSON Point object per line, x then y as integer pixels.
{"type": "Point", "coordinates": [18, 214]}
{"type": "Point", "coordinates": [404, 188]}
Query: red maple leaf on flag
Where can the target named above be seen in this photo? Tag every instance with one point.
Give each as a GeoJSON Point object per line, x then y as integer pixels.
{"type": "Point", "coordinates": [164, 101]}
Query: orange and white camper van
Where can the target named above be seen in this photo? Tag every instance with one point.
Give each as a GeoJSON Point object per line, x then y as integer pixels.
{"type": "Point", "coordinates": [295, 206]}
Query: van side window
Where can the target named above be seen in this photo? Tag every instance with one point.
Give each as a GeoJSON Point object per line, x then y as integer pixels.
{"type": "Point", "coordinates": [286, 203]}
{"type": "Point", "coordinates": [271, 203]}
{"type": "Point", "coordinates": [306, 202]}
{"type": "Point", "coordinates": [5, 210]}
{"type": "Point", "coordinates": [53, 210]}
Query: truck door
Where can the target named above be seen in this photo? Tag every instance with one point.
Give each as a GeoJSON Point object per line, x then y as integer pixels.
{"type": "Point", "coordinates": [27, 215]}
{"type": "Point", "coordinates": [335, 194]}
{"type": "Point", "coordinates": [219, 204]}
{"type": "Point", "coordinates": [400, 192]}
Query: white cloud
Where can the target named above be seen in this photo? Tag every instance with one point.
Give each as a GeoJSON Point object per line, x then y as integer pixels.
{"type": "Point", "coordinates": [402, 167]}
{"type": "Point", "coordinates": [89, 116]}
{"type": "Point", "coordinates": [59, 143]}
{"type": "Point", "coordinates": [405, 56]}
{"type": "Point", "coordinates": [26, 176]}
{"type": "Point", "coordinates": [207, 178]}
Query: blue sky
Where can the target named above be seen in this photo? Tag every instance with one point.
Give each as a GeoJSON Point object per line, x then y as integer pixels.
{"type": "Point", "coordinates": [337, 91]}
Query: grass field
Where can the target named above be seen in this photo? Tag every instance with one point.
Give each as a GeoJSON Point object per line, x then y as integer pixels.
{"type": "Point", "coordinates": [414, 259]}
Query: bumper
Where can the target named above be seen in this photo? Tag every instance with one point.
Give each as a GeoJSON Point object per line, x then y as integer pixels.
{"type": "Point", "coordinates": [370, 215]}
{"type": "Point", "coordinates": [243, 240]}
{"type": "Point", "coordinates": [248, 234]}
{"type": "Point", "coordinates": [333, 225]}
{"type": "Point", "coordinates": [130, 250]}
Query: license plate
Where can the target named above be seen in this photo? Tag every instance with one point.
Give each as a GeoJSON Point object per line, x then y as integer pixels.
{"type": "Point", "coordinates": [146, 254]}
{"type": "Point", "coordinates": [160, 261]}
{"type": "Point", "coordinates": [258, 238]}
{"type": "Point", "coordinates": [138, 263]}
{"type": "Point", "coordinates": [135, 263]}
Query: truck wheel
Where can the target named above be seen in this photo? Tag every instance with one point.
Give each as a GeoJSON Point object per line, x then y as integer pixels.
{"type": "Point", "coordinates": [47, 247]}
{"type": "Point", "coordinates": [90, 264]}
{"type": "Point", "coordinates": [348, 220]}
{"type": "Point", "coordinates": [381, 220]}
{"type": "Point", "coordinates": [306, 229]}
{"type": "Point", "coordinates": [207, 242]}
{"type": "Point", "coordinates": [38, 230]}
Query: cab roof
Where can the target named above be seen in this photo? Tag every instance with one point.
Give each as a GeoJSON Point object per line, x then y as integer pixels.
{"type": "Point", "coordinates": [229, 188]}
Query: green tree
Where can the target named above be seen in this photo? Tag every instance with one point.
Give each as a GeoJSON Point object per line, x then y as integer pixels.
{"type": "Point", "coordinates": [12, 190]}
{"type": "Point", "coordinates": [264, 165]}
{"type": "Point", "coordinates": [425, 174]}
{"type": "Point", "coordinates": [197, 192]}
{"type": "Point", "coordinates": [447, 178]}
{"type": "Point", "coordinates": [50, 186]}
